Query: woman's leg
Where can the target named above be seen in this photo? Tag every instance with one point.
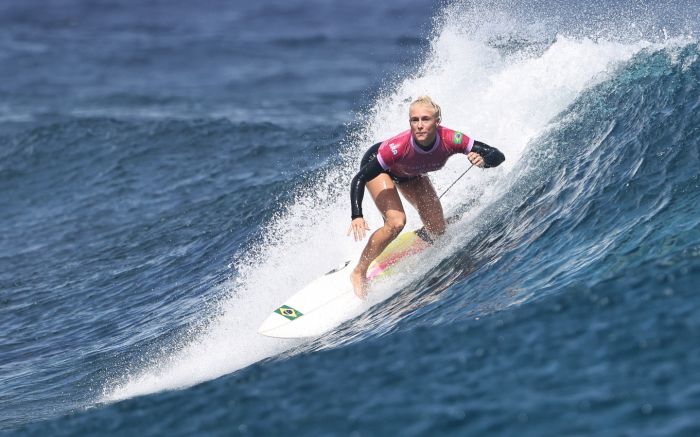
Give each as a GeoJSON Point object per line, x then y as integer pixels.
{"type": "Point", "coordinates": [387, 199]}
{"type": "Point", "coordinates": [421, 194]}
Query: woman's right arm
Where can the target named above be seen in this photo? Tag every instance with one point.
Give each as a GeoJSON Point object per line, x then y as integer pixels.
{"type": "Point", "coordinates": [369, 171]}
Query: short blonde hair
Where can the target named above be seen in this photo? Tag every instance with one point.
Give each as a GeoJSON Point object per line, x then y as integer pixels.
{"type": "Point", "coordinates": [427, 101]}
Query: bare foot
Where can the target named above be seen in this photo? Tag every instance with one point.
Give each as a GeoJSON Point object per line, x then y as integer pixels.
{"type": "Point", "coordinates": [359, 283]}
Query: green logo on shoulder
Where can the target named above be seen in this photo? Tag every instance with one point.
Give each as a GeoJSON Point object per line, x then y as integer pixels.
{"type": "Point", "coordinates": [457, 138]}
{"type": "Point", "coordinates": [288, 312]}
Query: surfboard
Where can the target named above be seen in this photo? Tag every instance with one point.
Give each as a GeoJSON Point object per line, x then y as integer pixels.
{"type": "Point", "coordinates": [328, 301]}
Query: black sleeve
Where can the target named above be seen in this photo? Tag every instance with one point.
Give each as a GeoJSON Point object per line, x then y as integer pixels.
{"type": "Point", "coordinates": [492, 156]}
{"type": "Point", "coordinates": [368, 172]}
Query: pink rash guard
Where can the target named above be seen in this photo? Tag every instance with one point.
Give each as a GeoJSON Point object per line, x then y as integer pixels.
{"type": "Point", "coordinates": [404, 158]}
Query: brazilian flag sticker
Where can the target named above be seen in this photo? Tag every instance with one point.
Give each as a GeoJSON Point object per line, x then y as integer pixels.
{"type": "Point", "coordinates": [288, 312]}
{"type": "Point", "coordinates": [457, 138]}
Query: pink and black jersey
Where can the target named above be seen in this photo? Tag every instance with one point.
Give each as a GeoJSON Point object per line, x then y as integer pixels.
{"type": "Point", "coordinates": [404, 158]}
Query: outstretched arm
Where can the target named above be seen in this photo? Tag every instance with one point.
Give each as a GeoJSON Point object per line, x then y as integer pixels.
{"type": "Point", "coordinates": [368, 172]}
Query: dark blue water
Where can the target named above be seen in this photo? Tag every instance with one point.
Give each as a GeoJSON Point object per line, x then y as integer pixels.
{"type": "Point", "coordinates": [171, 171]}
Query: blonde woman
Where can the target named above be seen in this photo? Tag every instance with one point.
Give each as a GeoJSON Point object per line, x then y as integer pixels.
{"type": "Point", "coordinates": [400, 164]}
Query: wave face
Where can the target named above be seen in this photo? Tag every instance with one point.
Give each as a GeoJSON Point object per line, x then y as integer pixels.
{"type": "Point", "coordinates": [150, 223]}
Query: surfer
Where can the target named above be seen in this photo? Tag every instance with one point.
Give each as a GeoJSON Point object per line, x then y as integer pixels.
{"type": "Point", "coordinates": [400, 164]}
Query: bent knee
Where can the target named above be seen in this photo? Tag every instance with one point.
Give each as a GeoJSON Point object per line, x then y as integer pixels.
{"type": "Point", "coordinates": [395, 224]}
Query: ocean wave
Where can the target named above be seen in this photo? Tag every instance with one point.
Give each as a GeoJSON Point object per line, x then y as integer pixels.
{"type": "Point", "coordinates": [610, 187]}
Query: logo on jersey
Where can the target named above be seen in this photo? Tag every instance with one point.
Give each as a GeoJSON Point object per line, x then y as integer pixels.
{"type": "Point", "coordinates": [394, 149]}
{"type": "Point", "coordinates": [457, 138]}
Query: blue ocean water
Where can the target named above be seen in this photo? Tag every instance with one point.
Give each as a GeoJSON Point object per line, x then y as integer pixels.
{"type": "Point", "coordinates": [171, 171]}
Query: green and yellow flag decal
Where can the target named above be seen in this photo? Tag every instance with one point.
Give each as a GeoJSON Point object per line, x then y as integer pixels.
{"type": "Point", "coordinates": [288, 312]}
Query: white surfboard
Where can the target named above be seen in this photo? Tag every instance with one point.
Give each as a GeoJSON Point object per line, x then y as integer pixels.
{"type": "Point", "coordinates": [330, 300]}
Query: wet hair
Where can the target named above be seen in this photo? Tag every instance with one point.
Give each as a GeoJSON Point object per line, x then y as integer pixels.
{"type": "Point", "coordinates": [427, 101]}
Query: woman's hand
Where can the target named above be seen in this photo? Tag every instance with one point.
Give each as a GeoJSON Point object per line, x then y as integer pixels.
{"type": "Point", "coordinates": [476, 159]}
{"type": "Point", "coordinates": [358, 228]}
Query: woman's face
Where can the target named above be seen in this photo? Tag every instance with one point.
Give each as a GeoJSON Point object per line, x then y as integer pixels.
{"type": "Point", "coordinates": [423, 124]}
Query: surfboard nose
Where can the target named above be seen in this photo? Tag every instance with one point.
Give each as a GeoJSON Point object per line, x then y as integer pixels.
{"type": "Point", "coordinates": [273, 321]}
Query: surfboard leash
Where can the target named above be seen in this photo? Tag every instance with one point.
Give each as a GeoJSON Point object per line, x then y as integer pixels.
{"type": "Point", "coordinates": [453, 183]}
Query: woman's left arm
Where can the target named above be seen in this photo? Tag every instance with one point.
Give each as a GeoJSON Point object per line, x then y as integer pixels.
{"type": "Point", "coordinates": [492, 157]}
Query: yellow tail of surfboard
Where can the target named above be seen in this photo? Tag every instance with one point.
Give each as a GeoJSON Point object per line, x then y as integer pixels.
{"type": "Point", "coordinates": [404, 245]}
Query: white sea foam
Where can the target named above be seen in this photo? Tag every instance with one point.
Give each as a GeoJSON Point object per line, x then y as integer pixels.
{"type": "Point", "coordinates": [504, 99]}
